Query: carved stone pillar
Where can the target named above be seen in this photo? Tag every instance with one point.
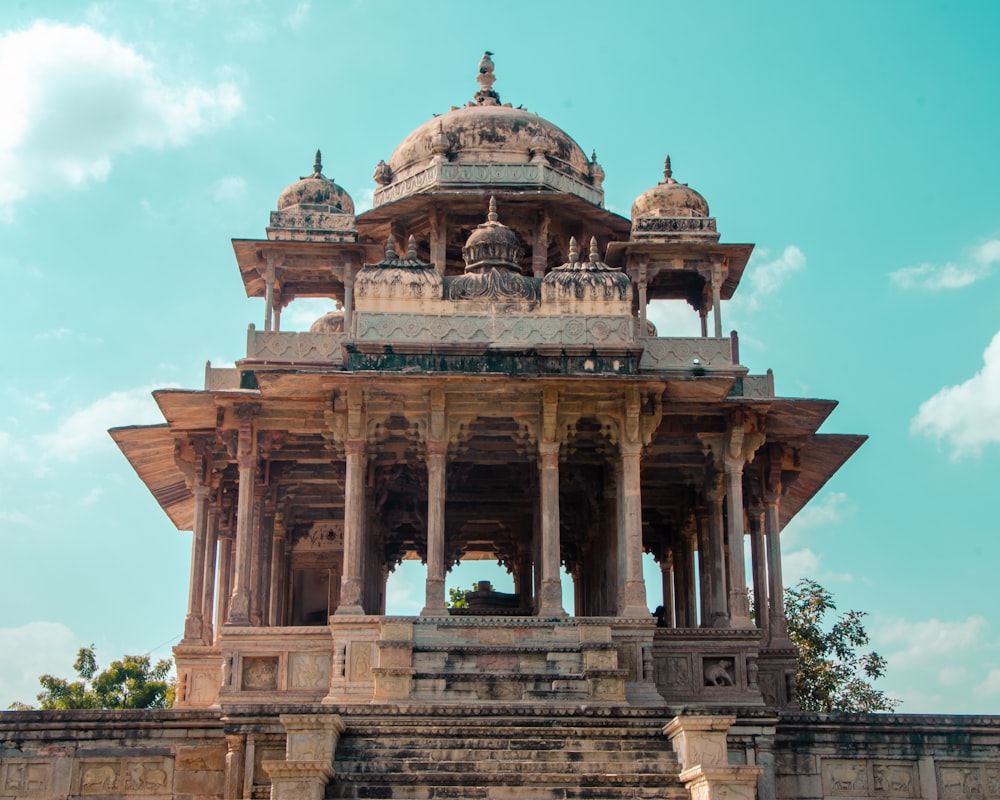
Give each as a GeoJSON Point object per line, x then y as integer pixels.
{"type": "Point", "coordinates": [550, 590]}
{"type": "Point", "coordinates": [762, 614]}
{"type": "Point", "coordinates": [690, 601]}
{"type": "Point", "coordinates": [348, 300]}
{"type": "Point", "coordinates": [434, 604]}
{"type": "Point", "coordinates": [633, 599]}
{"type": "Point", "coordinates": [643, 280]}
{"type": "Point", "coordinates": [196, 587]}
{"type": "Point", "coordinates": [667, 579]}
{"type": "Point", "coordinates": [439, 240]}
{"type": "Point", "coordinates": [704, 534]}
{"type": "Point", "coordinates": [700, 743]}
{"type": "Point", "coordinates": [354, 528]}
{"type": "Point", "coordinates": [775, 585]}
{"type": "Point", "coordinates": [739, 609]}
{"type": "Point", "coordinates": [717, 554]}
{"type": "Point", "coordinates": [524, 585]}
{"type": "Point", "coordinates": [310, 743]}
{"type": "Point", "coordinates": [258, 558]}
{"type": "Point", "coordinates": [208, 582]}
{"type": "Point", "coordinates": [274, 615]}
{"type": "Point", "coordinates": [223, 586]}
{"type": "Point", "coordinates": [540, 246]}
{"type": "Point", "coordinates": [246, 459]}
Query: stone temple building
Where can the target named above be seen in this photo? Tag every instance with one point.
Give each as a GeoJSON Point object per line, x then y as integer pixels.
{"type": "Point", "coordinates": [489, 388]}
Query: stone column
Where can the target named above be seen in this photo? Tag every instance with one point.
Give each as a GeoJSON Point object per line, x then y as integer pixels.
{"type": "Point", "coordinates": [439, 240]}
{"type": "Point", "coordinates": [434, 604]}
{"type": "Point", "coordinates": [667, 578]}
{"type": "Point", "coordinates": [633, 600]}
{"type": "Point", "coordinates": [762, 615]}
{"type": "Point", "coordinates": [246, 459]}
{"type": "Point", "coordinates": [701, 745]}
{"type": "Point", "coordinates": [348, 300]}
{"type": "Point", "coordinates": [208, 584]}
{"type": "Point", "coordinates": [268, 293]}
{"type": "Point", "coordinates": [235, 756]}
{"type": "Point", "coordinates": [274, 617]}
{"type": "Point", "coordinates": [310, 744]}
{"type": "Point", "coordinates": [690, 600]}
{"type": "Point", "coordinates": [523, 577]}
{"type": "Point", "coordinates": [775, 586]}
{"type": "Point", "coordinates": [550, 590]}
{"type": "Point", "coordinates": [258, 557]}
{"type": "Point", "coordinates": [714, 277]}
{"type": "Point", "coordinates": [714, 494]}
{"type": "Point", "coordinates": [704, 533]}
{"type": "Point", "coordinates": [681, 611]}
{"type": "Point", "coordinates": [223, 586]}
{"type": "Point", "coordinates": [196, 587]}
{"type": "Point", "coordinates": [643, 279]}
{"type": "Point", "coordinates": [540, 246]}
{"type": "Point", "coordinates": [354, 528]}
{"type": "Point", "coordinates": [739, 610]}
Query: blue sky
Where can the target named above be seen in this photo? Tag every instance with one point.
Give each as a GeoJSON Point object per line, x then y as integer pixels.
{"type": "Point", "coordinates": [854, 143]}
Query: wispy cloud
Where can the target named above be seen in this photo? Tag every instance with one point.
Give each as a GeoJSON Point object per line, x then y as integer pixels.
{"type": "Point", "coordinates": [303, 312]}
{"type": "Point", "coordinates": [799, 561]}
{"type": "Point", "coordinates": [86, 429]}
{"type": "Point", "coordinates": [297, 18]}
{"type": "Point", "coordinates": [74, 100]}
{"type": "Point", "coordinates": [30, 650]}
{"type": "Point", "coordinates": [966, 416]}
{"type": "Point", "coordinates": [766, 277]}
{"type": "Point", "coordinates": [229, 189]}
{"type": "Point", "coordinates": [935, 277]}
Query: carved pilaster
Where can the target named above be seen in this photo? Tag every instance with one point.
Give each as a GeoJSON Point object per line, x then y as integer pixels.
{"type": "Point", "coordinates": [700, 743]}
{"type": "Point", "coordinates": [246, 460]}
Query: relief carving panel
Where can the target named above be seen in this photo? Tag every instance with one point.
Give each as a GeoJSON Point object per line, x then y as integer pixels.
{"type": "Point", "coordinates": [24, 778]}
{"type": "Point", "coordinates": [865, 778]}
{"type": "Point", "coordinates": [131, 776]}
{"type": "Point", "coordinates": [360, 662]}
{"type": "Point", "coordinates": [260, 673]}
{"type": "Point", "coordinates": [968, 781]}
{"type": "Point", "coordinates": [308, 671]}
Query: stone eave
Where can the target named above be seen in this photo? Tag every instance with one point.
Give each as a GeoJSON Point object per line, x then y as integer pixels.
{"type": "Point", "coordinates": [820, 456]}
{"type": "Point", "coordinates": [304, 269]}
{"type": "Point", "coordinates": [150, 451]}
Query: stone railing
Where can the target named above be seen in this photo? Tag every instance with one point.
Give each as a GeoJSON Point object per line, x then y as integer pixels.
{"type": "Point", "coordinates": [756, 386]}
{"type": "Point", "coordinates": [221, 378]}
{"type": "Point", "coordinates": [678, 353]}
{"type": "Point", "coordinates": [529, 174]}
{"type": "Point", "coordinates": [710, 666]}
{"type": "Point", "coordinates": [319, 348]}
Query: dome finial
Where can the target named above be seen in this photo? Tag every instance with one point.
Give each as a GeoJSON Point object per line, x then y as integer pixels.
{"type": "Point", "coordinates": [411, 248]}
{"type": "Point", "coordinates": [493, 216]}
{"type": "Point", "coordinates": [318, 164]}
{"type": "Point", "coordinates": [390, 249]}
{"type": "Point", "coordinates": [574, 250]}
{"type": "Point", "coordinates": [595, 255]}
{"type": "Point", "coordinates": [668, 173]}
{"type": "Point", "coordinates": [486, 96]}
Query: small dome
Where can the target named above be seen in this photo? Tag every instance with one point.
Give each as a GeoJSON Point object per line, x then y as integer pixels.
{"type": "Point", "coordinates": [669, 199]}
{"type": "Point", "coordinates": [330, 322]}
{"type": "Point", "coordinates": [492, 244]}
{"type": "Point", "coordinates": [316, 190]}
{"type": "Point", "coordinates": [586, 280]}
{"type": "Point", "coordinates": [395, 277]}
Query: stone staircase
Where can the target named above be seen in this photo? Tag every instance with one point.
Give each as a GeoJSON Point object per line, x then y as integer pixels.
{"type": "Point", "coordinates": [546, 757]}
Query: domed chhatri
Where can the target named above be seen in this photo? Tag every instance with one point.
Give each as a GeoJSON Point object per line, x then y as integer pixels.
{"type": "Point", "coordinates": [314, 208]}
{"type": "Point", "coordinates": [492, 271]}
{"type": "Point", "coordinates": [519, 148]}
{"type": "Point", "coordinates": [672, 210]}
{"type": "Point", "coordinates": [591, 280]}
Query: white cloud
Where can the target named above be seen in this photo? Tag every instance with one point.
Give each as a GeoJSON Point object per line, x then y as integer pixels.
{"type": "Point", "coordinates": [74, 100]}
{"type": "Point", "coordinates": [674, 318]}
{"type": "Point", "coordinates": [31, 650]}
{"type": "Point", "coordinates": [297, 18]}
{"type": "Point", "coordinates": [303, 312]}
{"type": "Point", "coordinates": [799, 564]}
{"type": "Point", "coordinates": [965, 416]}
{"type": "Point", "coordinates": [991, 684]}
{"type": "Point", "coordinates": [768, 277]}
{"type": "Point", "coordinates": [229, 189]}
{"type": "Point", "coordinates": [364, 201]}
{"type": "Point", "coordinates": [87, 429]}
{"type": "Point", "coordinates": [932, 277]}
{"type": "Point", "coordinates": [92, 496]}
{"type": "Point", "coordinates": [825, 510]}
{"type": "Point", "coordinates": [928, 642]}
{"type": "Point", "coordinates": [17, 518]}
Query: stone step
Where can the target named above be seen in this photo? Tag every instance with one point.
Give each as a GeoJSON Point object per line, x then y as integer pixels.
{"type": "Point", "coordinates": [501, 742]}
{"type": "Point", "coordinates": [473, 780]}
{"type": "Point", "coordinates": [476, 753]}
{"type": "Point", "coordinates": [508, 793]}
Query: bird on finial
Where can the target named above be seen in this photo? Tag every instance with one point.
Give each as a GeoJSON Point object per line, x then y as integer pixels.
{"type": "Point", "coordinates": [595, 255]}
{"type": "Point", "coordinates": [574, 250]}
{"type": "Point", "coordinates": [667, 171]}
{"type": "Point", "coordinates": [486, 63]}
{"type": "Point", "coordinates": [493, 216]}
{"type": "Point", "coordinates": [486, 96]}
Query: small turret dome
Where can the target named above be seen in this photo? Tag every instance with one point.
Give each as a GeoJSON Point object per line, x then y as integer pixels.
{"type": "Point", "coordinates": [316, 190]}
{"type": "Point", "coordinates": [492, 244]}
{"type": "Point", "coordinates": [669, 199]}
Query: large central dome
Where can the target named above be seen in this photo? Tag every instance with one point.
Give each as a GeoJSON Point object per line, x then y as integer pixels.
{"type": "Point", "coordinates": [488, 143]}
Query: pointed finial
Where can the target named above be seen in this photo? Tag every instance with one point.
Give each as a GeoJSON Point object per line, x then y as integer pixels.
{"type": "Point", "coordinates": [486, 96]}
{"type": "Point", "coordinates": [667, 171]}
{"type": "Point", "coordinates": [390, 249]}
{"type": "Point", "coordinates": [593, 156]}
{"type": "Point", "coordinates": [493, 216]}
{"type": "Point", "coordinates": [595, 255]}
{"type": "Point", "coordinates": [318, 164]}
{"type": "Point", "coordinates": [411, 249]}
{"type": "Point", "coordinates": [574, 250]}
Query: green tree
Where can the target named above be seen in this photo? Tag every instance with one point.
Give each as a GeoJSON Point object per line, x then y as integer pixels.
{"type": "Point", "coordinates": [456, 597]}
{"type": "Point", "coordinates": [132, 682]}
{"type": "Point", "coordinates": [832, 675]}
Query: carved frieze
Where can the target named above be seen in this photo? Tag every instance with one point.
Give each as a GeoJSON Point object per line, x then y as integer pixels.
{"type": "Point", "coordinates": [308, 670]}
{"type": "Point", "coordinates": [672, 353]}
{"type": "Point", "coordinates": [20, 777]}
{"type": "Point", "coordinates": [123, 776]}
{"type": "Point", "coordinates": [856, 777]}
{"type": "Point", "coordinates": [957, 781]}
{"type": "Point", "coordinates": [311, 347]}
{"type": "Point", "coordinates": [260, 673]}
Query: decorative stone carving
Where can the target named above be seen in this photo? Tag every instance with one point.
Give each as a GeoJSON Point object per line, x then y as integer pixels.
{"type": "Point", "coordinates": [130, 777]}
{"type": "Point", "coordinates": [260, 673]}
{"type": "Point", "coordinates": [397, 278]}
{"type": "Point", "coordinates": [291, 347]}
{"type": "Point", "coordinates": [323, 535]}
{"type": "Point", "coordinates": [591, 280]}
{"type": "Point", "coordinates": [719, 672]}
{"type": "Point", "coordinates": [958, 781]}
{"type": "Point", "coordinates": [24, 778]}
{"type": "Point", "coordinates": [360, 662]}
{"type": "Point", "coordinates": [685, 353]}
{"type": "Point", "coordinates": [308, 671]}
{"type": "Point", "coordinates": [865, 778]}
{"type": "Point", "coordinates": [701, 746]}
